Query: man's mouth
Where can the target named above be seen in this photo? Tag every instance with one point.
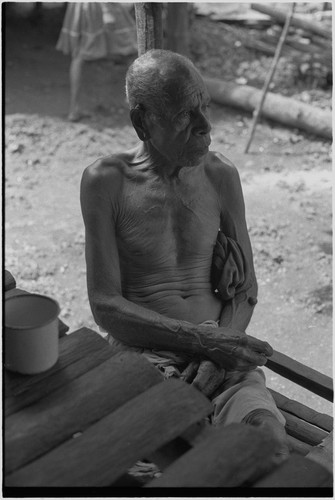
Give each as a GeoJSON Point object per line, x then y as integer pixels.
{"type": "Point", "coordinates": [201, 142]}
{"type": "Point", "coordinates": [207, 140]}
{"type": "Point", "coordinates": [198, 147]}
{"type": "Point", "coordinates": [204, 144]}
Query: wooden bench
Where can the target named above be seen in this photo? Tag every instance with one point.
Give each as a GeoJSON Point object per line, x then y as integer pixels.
{"type": "Point", "coordinates": [87, 421]}
{"type": "Point", "coordinates": [182, 457]}
{"type": "Point", "coordinates": [305, 427]}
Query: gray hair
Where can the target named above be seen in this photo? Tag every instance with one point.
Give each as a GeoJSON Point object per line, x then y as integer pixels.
{"type": "Point", "coordinates": [147, 79]}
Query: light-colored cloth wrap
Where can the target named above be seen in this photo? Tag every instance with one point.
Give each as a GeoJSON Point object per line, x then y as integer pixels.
{"type": "Point", "coordinates": [242, 392]}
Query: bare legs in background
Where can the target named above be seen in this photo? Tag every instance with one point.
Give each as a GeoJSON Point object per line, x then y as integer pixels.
{"type": "Point", "coordinates": [76, 70]}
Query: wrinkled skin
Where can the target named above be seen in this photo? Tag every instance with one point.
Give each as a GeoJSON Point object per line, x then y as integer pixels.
{"type": "Point", "coordinates": [204, 375]}
{"type": "Point", "coordinates": [152, 215]}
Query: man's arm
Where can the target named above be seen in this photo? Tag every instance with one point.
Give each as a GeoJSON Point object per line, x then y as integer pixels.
{"type": "Point", "coordinates": [237, 313]}
{"type": "Point", "coordinates": [128, 322]}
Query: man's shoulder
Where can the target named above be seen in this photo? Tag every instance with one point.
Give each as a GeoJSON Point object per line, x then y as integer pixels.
{"type": "Point", "coordinates": [219, 168]}
{"type": "Point", "coordinates": [107, 174]}
{"type": "Point", "coordinates": [107, 168]}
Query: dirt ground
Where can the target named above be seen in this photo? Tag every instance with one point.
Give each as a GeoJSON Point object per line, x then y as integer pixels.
{"type": "Point", "coordinates": [286, 179]}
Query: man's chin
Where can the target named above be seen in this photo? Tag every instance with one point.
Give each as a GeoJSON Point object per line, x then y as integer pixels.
{"type": "Point", "coordinates": [197, 157]}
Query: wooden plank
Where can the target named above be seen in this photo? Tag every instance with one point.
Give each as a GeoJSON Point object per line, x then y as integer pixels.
{"type": "Point", "coordinates": [107, 449]}
{"type": "Point", "coordinates": [302, 411]}
{"type": "Point", "coordinates": [302, 430]}
{"type": "Point", "coordinates": [228, 457]}
{"type": "Point", "coordinates": [167, 454]}
{"type": "Point", "coordinates": [128, 481]}
{"type": "Point", "coordinates": [296, 472]}
{"type": "Point", "coordinates": [71, 348]}
{"type": "Point", "coordinates": [323, 453]}
{"type": "Point", "coordinates": [299, 447]}
{"type": "Point", "coordinates": [55, 418]}
{"type": "Point", "coordinates": [302, 375]}
{"type": "Point", "coordinates": [62, 327]}
{"type": "Point", "coordinates": [79, 352]}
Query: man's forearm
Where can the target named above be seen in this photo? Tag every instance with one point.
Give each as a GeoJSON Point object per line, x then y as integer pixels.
{"type": "Point", "coordinates": [138, 326]}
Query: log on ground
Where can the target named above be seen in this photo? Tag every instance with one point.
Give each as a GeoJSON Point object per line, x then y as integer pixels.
{"type": "Point", "coordinates": [284, 110]}
{"type": "Point", "coordinates": [279, 15]}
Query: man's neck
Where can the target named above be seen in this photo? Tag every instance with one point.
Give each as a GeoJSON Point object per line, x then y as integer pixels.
{"type": "Point", "coordinates": [164, 168]}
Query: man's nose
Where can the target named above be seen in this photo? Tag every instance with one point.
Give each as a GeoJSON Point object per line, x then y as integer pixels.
{"type": "Point", "coordinates": [202, 126]}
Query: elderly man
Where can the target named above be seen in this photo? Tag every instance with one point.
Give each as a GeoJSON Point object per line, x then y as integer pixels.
{"type": "Point", "coordinates": [152, 216]}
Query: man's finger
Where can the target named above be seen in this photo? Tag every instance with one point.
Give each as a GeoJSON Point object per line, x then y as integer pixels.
{"type": "Point", "coordinates": [208, 378]}
{"type": "Point", "coordinates": [241, 339]}
{"type": "Point", "coordinates": [249, 357]}
{"type": "Point", "coordinates": [190, 371]}
{"type": "Point", "coordinates": [259, 346]}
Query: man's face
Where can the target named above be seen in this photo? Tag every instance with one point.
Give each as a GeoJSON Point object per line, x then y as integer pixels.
{"type": "Point", "coordinates": [182, 135]}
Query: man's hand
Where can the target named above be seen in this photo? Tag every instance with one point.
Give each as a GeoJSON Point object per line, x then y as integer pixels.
{"type": "Point", "coordinates": [234, 350]}
{"type": "Point", "coordinates": [204, 375]}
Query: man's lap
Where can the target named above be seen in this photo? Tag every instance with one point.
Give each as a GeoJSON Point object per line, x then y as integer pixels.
{"type": "Point", "coordinates": [241, 392]}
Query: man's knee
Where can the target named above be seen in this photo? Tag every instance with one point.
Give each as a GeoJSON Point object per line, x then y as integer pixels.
{"type": "Point", "coordinates": [269, 421]}
{"type": "Point", "coordinates": [244, 393]}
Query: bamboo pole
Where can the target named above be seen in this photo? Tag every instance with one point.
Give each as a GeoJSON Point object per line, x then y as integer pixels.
{"type": "Point", "coordinates": [281, 42]}
{"type": "Point", "coordinates": [148, 26]}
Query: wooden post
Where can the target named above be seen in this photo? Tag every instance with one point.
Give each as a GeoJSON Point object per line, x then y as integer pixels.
{"type": "Point", "coordinates": [178, 27]}
{"type": "Point", "coordinates": [149, 26]}
{"type": "Point", "coordinates": [257, 112]}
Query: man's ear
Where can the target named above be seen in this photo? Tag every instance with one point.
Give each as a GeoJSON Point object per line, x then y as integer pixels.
{"type": "Point", "coordinates": [139, 123]}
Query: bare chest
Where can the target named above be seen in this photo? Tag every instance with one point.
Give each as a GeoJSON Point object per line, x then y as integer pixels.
{"type": "Point", "coordinates": [171, 225]}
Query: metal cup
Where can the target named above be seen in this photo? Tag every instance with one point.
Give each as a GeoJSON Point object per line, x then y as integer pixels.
{"type": "Point", "coordinates": [31, 333]}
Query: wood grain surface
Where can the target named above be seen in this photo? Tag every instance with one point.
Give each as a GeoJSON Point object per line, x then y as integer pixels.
{"type": "Point", "coordinates": [302, 411]}
{"type": "Point", "coordinates": [55, 418]}
{"type": "Point", "coordinates": [296, 472]}
{"type": "Point", "coordinates": [228, 457]}
{"type": "Point", "coordinates": [79, 352]}
{"type": "Point", "coordinates": [301, 374]}
{"type": "Point", "coordinates": [302, 430]}
{"type": "Point", "coordinates": [108, 448]}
